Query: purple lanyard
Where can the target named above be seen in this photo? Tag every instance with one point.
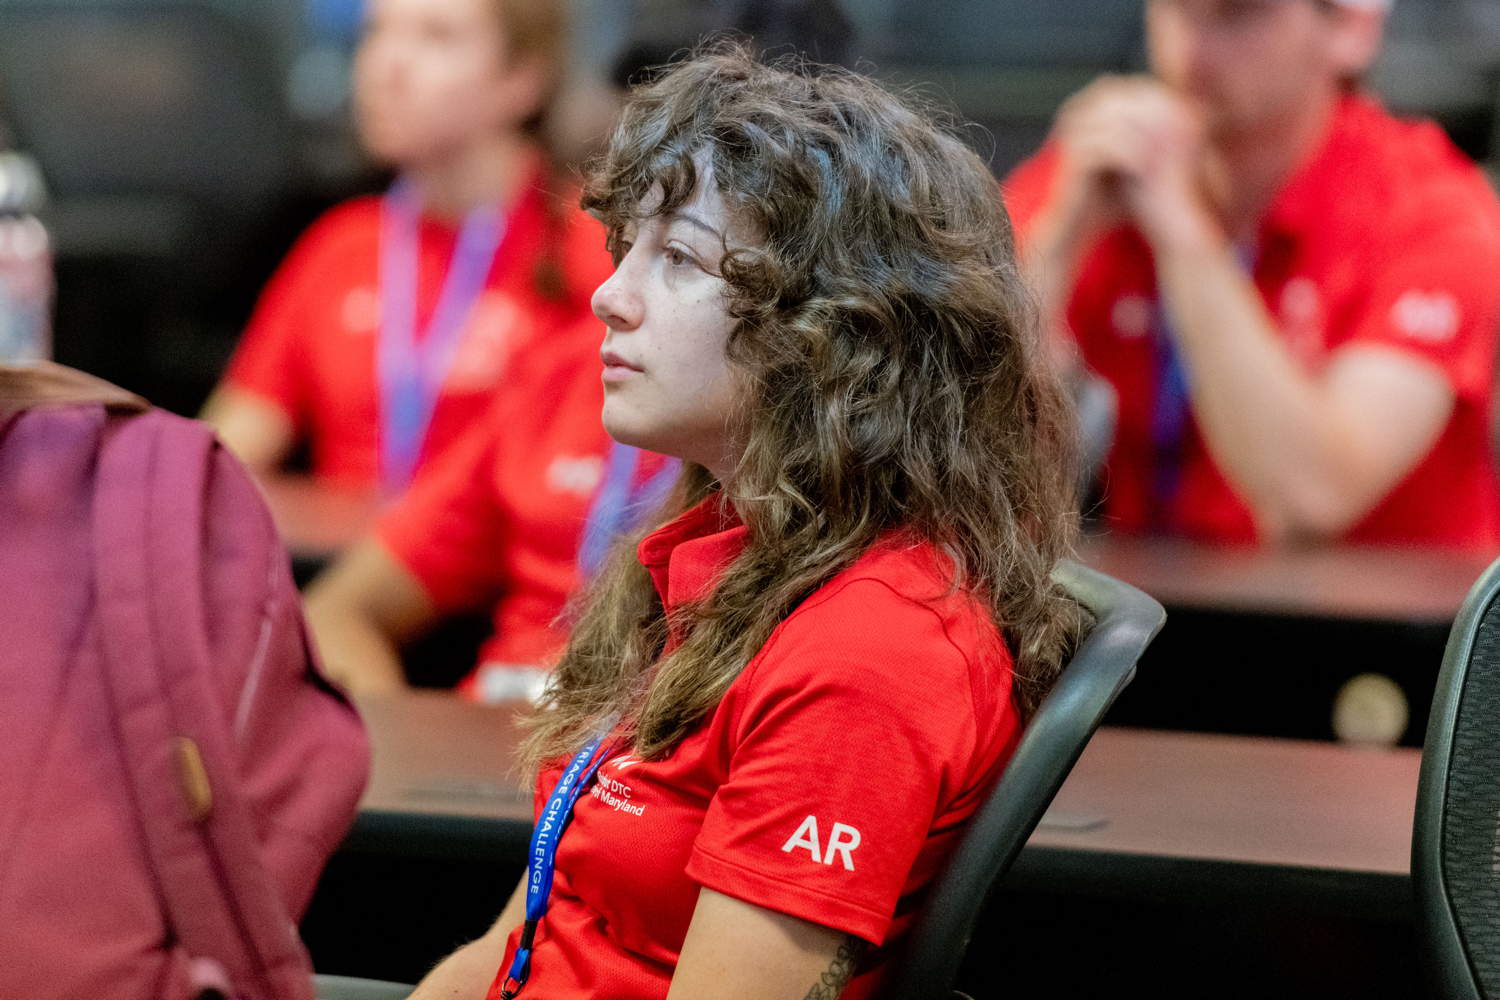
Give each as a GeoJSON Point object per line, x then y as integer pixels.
{"type": "Point", "coordinates": [1173, 405]}
{"type": "Point", "coordinates": [619, 503]}
{"type": "Point", "coordinates": [410, 369]}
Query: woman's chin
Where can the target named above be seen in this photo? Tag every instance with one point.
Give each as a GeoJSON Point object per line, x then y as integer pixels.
{"type": "Point", "coordinates": [626, 431]}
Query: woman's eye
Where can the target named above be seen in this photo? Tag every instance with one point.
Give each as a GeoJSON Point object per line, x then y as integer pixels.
{"type": "Point", "coordinates": [676, 257]}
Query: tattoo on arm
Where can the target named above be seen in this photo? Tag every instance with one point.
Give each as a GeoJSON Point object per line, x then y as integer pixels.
{"type": "Point", "coordinates": [833, 980]}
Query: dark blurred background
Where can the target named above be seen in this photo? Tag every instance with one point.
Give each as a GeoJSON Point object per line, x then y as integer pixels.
{"type": "Point", "coordinates": [186, 142]}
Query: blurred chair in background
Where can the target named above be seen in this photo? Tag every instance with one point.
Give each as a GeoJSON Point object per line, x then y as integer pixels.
{"type": "Point", "coordinates": [162, 135]}
{"type": "Point", "coordinates": [666, 29]}
{"type": "Point", "coordinates": [348, 988]}
{"type": "Point", "coordinates": [1098, 415]}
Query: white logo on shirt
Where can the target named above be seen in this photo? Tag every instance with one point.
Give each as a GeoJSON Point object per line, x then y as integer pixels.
{"type": "Point", "coordinates": [1429, 316]}
{"type": "Point", "coordinates": [1131, 316]}
{"type": "Point", "coordinates": [1302, 319]}
{"type": "Point", "coordinates": [842, 840]}
{"type": "Point", "coordinates": [615, 793]}
{"type": "Point", "coordinates": [1300, 301]}
{"type": "Point", "coordinates": [576, 474]}
{"type": "Point", "coordinates": [361, 310]}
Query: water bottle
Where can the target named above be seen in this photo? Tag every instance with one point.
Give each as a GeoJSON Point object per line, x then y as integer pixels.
{"type": "Point", "coordinates": [26, 278]}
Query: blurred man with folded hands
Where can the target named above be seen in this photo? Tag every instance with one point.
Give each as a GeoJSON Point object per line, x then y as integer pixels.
{"type": "Point", "coordinates": [1294, 294]}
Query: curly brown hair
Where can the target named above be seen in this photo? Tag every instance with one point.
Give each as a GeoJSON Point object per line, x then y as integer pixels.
{"type": "Point", "coordinates": [893, 381]}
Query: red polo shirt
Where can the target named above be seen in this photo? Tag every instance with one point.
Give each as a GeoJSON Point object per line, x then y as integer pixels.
{"type": "Point", "coordinates": [830, 783]}
{"type": "Point", "coordinates": [310, 347]}
{"type": "Point", "coordinates": [1386, 236]}
{"type": "Point", "coordinates": [498, 521]}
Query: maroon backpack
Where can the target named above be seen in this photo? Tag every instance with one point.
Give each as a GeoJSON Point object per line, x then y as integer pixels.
{"type": "Point", "coordinates": [174, 771]}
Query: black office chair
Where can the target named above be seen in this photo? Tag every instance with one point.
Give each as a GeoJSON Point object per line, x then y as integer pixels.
{"type": "Point", "coordinates": [1126, 620]}
{"type": "Point", "coordinates": [153, 112]}
{"type": "Point", "coordinates": [168, 151]}
{"type": "Point", "coordinates": [1454, 846]}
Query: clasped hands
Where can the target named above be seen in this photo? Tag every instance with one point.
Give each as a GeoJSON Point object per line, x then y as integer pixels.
{"type": "Point", "coordinates": [1131, 150]}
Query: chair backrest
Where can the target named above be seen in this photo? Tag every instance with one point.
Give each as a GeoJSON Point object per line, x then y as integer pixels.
{"type": "Point", "coordinates": [162, 99]}
{"type": "Point", "coordinates": [1454, 848]}
{"type": "Point", "coordinates": [348, 988]}
{"type": "Point", "coordinates": [1125, 621]}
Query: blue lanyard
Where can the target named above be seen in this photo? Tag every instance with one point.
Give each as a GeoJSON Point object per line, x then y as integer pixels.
{"type": "Point", "coordinates": [618, 503]}
{"type": "Point", "coordinates": [1169, 417]}
{"type": "Point", "coordinates": [542, 863]}
{"type": "Point", "coordinates": [411, 369]}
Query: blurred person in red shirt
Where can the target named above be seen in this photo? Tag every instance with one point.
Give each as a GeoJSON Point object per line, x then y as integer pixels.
{"type": "Point", "coordinates": [394, 319]}
{"type": "Point", "coordinates": [1294, 294]}
{"type": "Point", "coordinates": [510, 521]}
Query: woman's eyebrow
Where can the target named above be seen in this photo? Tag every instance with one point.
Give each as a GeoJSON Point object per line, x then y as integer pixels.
{"type": "Point", "coordinates": [693, 220]}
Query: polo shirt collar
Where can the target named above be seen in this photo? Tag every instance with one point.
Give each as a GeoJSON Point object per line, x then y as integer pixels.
{"type": "Point", "coordinates": [1304, 199]}
{"type": "Point", "coordinates": [686, 556]}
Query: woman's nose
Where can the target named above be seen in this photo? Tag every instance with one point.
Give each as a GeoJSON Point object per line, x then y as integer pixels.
{"type": "Point", "coordinates": [616, 303]}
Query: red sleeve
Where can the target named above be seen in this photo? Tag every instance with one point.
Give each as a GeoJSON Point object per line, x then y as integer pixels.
{"type": "Point", "coordinates": [1437, 295]}
{"type": "Point", "coordinates": [271, 360]}
{"type": "Point", "coordinates": [450, 528]}
{"type": "Point", "coordinates": [853, 733]}
{"type": "Point", "coordinates": [446, 529]}
{"type": "Point", "coordinates": [1027, 189]}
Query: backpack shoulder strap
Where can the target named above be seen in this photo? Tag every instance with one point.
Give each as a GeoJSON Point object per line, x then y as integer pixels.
{"type": "Point", "coordinates": [173, 730]}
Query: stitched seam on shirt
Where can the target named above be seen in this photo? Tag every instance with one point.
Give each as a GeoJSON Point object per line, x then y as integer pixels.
{"type": "Point", "coordinates": [791, 884]}
{"type": "Point", "coordinates": [822, 597]}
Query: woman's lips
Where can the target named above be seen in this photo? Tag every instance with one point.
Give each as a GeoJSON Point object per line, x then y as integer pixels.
{"type": "Point", "coordinates": [616, 367]}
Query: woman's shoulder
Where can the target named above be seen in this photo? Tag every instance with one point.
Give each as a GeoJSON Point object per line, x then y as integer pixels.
{"type": "Point", "coordinates": [896, 625]}
{"type": "Point", "coordinates": [349, 224]}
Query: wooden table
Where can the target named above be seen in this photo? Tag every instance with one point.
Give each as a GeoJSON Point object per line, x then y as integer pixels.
{"type": "Point", "coordinates": [1260, 642]}
{"type": "Point", "coordinates": [315, 521]}
{"type": "Point", "coordinates": [1144, 811]}
{"type": "Point", "coordinates": [1367, 583]}
{"type": "Point", "coordinates": [1148, 812]}
{"type": "Point", "coordinates": [444, 781]}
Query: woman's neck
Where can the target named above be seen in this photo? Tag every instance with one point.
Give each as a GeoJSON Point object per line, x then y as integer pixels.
{"type": "Point", "coordinates": [487, 172]}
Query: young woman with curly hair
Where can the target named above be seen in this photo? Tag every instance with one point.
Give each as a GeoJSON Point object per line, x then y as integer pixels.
{"type": "Point", "coordinates": [779, 707]}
